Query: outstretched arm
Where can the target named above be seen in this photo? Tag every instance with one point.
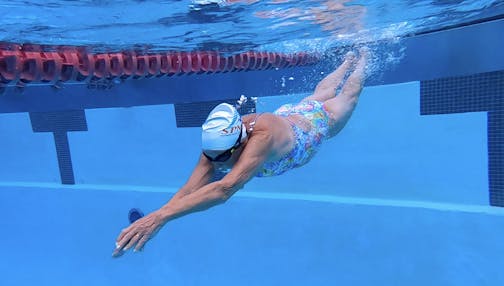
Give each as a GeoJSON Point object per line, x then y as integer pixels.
{"type": "Point", "coordinates": [251, 159]}
{"type": "Point", "coordinates": [200, 177]}
{"type": "Point", "coordinates": [254, 154]}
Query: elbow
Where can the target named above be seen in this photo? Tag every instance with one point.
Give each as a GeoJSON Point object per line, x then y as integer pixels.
{"type": "Point", "coordinates": [224, 197]}
{"type": "Point", "coordinates": [225, 191]}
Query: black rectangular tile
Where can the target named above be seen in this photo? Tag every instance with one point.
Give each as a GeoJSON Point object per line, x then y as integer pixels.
{"type": "Point", "coordinates": [64, 158]}
{"type": "Point", "coordinates": [193, 114]}
{"type": "Point", "coordinates": [478, 92]}
{"type": "Point", "coordinates": [496, 157]}
{"type": "Point", "coordinates": [59, 121]}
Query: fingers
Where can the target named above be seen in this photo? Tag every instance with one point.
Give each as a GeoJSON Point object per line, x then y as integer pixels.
{"type": "Point", "coordinates": [122, 234]}
{"type": "Point", "coordinates": [134, 236]}
{"type": "Point", "coordinates": [137, 239]}
{"type": "Point", "coordinates": [137, 234]}
{"type": "Point", "coordinates": [132, 241]}
{"type": "Point", "coordinates": [125, 238]}
{"type": "Point", "coordinates": [117, 253]}
{"type": "Point", "coordinates": [128, 240]}
{"type": "Point", "coordinates": [141, 243]}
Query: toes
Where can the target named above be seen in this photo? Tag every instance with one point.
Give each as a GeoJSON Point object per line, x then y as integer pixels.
{"type": "Point", "coordinates": [350, 56]}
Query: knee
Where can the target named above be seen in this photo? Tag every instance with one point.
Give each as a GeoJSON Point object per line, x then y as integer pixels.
{"type": "Point", "coordinates": [354, 87]}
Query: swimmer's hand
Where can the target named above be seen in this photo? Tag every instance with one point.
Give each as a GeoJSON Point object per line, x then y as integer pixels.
{"type": "Point", "coordinates": [138, 233]}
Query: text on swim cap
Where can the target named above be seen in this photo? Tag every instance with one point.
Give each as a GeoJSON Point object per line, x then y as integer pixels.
{"type": "Point", "coordinates": [231, 130]}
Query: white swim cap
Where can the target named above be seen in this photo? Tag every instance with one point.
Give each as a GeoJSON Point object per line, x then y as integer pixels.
{"type": "Point", "coordinates": [221, 128]}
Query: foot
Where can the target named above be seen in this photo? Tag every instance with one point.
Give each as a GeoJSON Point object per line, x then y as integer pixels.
{"type": "Point", "coordinates": [364, 52]}
{"type": "Point", "coordinates": [349, 57]}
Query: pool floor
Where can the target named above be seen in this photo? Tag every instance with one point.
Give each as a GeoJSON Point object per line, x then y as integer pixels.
{"type": "Point", "coordinates": [65, 236]}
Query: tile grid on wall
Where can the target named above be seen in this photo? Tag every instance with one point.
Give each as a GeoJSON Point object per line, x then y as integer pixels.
{"type": "Point", "coordinates": [473, 93]}
{"type": "Point", "coordinates": [64, 158]}
{"type": "Point", "coordinates": [479, 92]}
{"type": "Point", "coordinates": [59, 123]}
{"type": "Point", "coordinates": [496, 157]}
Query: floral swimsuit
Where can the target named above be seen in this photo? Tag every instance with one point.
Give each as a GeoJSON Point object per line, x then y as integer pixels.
{"type": "Point", "coordinates": [307, 142]}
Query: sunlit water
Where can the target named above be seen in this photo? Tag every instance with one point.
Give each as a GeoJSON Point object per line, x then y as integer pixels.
{"type": "Point", "coordinates": [230, 26]}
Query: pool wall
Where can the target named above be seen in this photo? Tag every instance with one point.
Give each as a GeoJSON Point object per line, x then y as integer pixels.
{"type": "Point", "coordinates": [397, 198]}
{"type": "Point", "coordinates": [388, 150]}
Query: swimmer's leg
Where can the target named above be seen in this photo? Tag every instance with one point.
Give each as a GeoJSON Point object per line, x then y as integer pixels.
{"type": "Point", "coordinates": [326, 88]}
{"type": "Point", "coordinates": [341, 107]}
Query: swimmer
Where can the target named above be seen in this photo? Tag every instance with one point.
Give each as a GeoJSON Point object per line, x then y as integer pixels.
{"type": "Point", "coordinates": [255, 145]}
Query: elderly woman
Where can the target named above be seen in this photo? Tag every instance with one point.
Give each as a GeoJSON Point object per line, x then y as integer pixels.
{"type": "Point", "coordinates": [261, 144]}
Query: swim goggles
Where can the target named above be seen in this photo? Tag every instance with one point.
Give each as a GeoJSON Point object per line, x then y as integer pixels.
{"type": "Point", "coordinates": [224, 156]}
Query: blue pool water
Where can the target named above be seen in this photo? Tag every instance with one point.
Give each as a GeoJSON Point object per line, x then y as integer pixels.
{"type": "Point", "coordinates": [399, 197]}
{"type": "Point", "coordinates": [64, 236]}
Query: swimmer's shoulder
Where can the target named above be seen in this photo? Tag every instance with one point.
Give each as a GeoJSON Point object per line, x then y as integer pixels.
{"type": "Point", "coordinates": [264, 122]}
